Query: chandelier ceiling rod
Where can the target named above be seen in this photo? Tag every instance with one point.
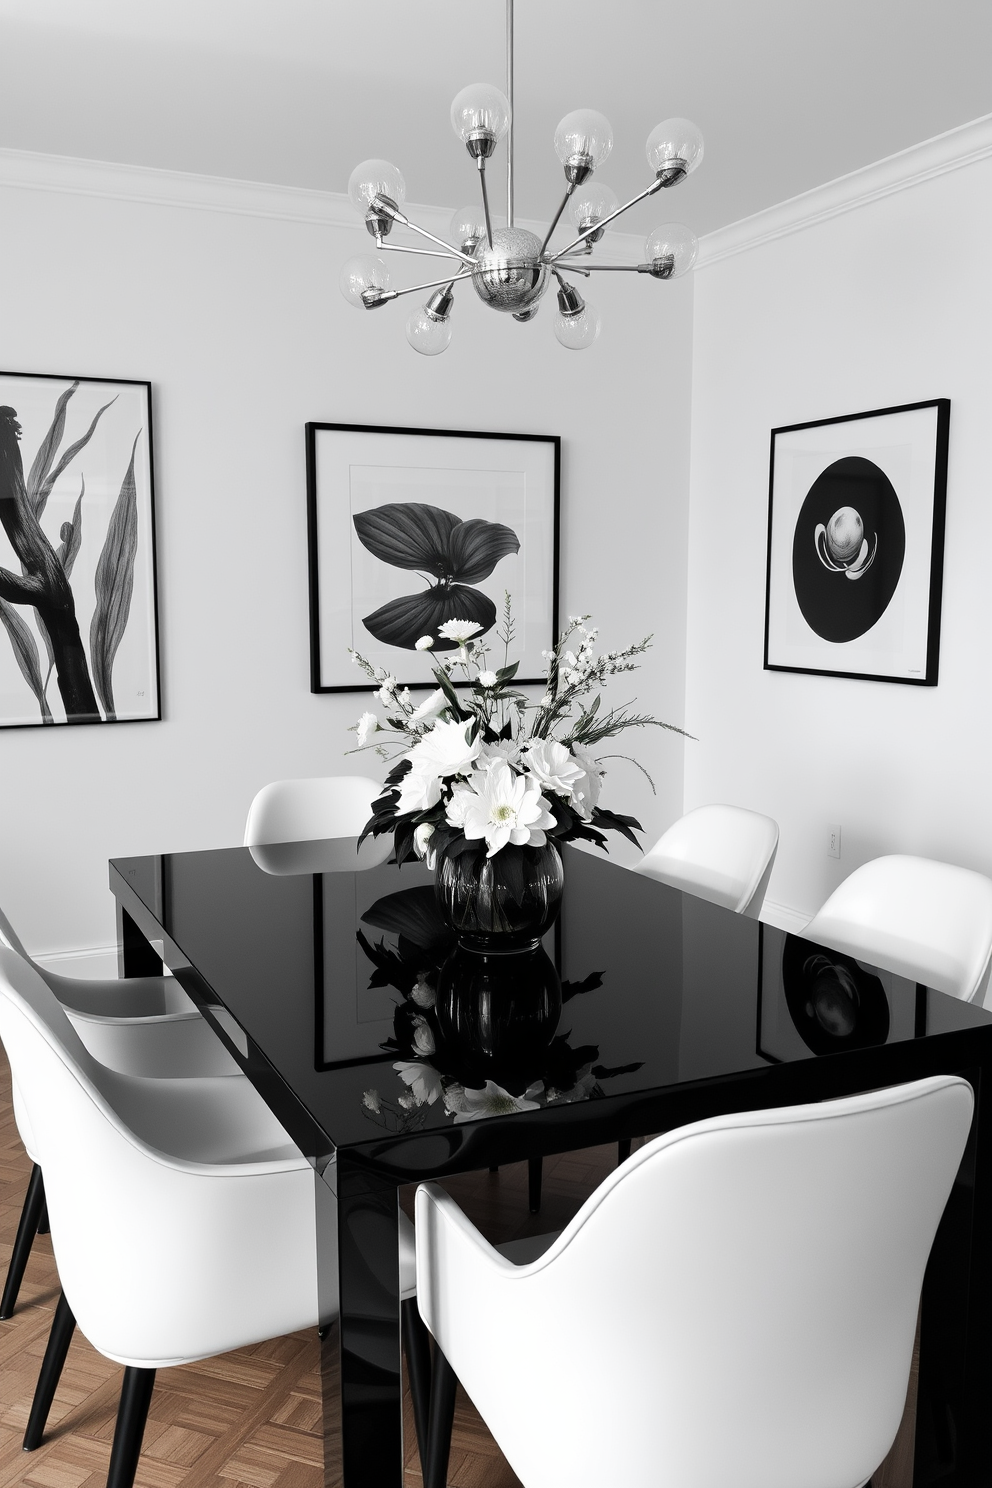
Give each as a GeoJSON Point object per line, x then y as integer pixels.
{"type": "Point", "coordinates": [511, 268]}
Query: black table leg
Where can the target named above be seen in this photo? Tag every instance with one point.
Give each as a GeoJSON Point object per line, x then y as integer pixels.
{"type": "Point", "coordinates": [135, 957]}
{"type": "Point", "coordinates": [371, 1376]}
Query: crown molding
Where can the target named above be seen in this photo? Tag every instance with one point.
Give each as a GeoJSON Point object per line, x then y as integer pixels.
{"type": "Point", "coordinates": [934, 157]}
{"type": "Point", "coordinates": [69, 175]}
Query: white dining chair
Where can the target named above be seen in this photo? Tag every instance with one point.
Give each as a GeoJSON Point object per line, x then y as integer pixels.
{"type": "Point", "coordinates": [307, 810]}
{"type": "Point", "coordinates": [137, 1025]}
{"type": "Point", "coordinates": [182, 1215]}
{"type": "Point", "coordinates": [916, 917]}
{"type": "Point", "coordinates": [737, 1304]}
{"type": "Point", "coordinates": [721, 853]}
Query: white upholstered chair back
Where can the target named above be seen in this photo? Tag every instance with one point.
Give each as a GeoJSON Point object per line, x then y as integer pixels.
{"type": "Point", "coordinates": [919, 918]}
{"type": "Point", "coordinates": [308, 810]}
{"type": "Point", "coordinates": [721, 853]}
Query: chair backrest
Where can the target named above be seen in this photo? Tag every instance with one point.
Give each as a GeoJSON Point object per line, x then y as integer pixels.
{"type": "Point", "coordinates": [306, 810]}
{"type": "Point", "coordinates": [157, 1261]}
{"type": "Point", "coordinates": [746, 1293]}
{"type": "Point", "coordinates": [929, 921]}
{"type": "Point", "coordinates": [721, 853]}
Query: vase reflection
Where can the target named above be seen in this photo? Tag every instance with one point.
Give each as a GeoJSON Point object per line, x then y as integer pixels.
{"type": "Point", "coordinates": [476, 1033]}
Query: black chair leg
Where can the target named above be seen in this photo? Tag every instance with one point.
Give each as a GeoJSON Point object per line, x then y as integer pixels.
{"type": "Point", "coordinates": [443, 1387]}
{"type": "Point", "coordinates": [417, 1342]}
{"type": "Point", "coordinates": [136, 1394]}
{"type": "Point", "coordinates": [34, 1205]}
{"type": "Point", "coordinates": [51, 1372]}
{"type": "Point", "coordinates": [535, 1172]}
{"type": "Point", "coordinates": [623, 1149]}
{"type": "Point", "coordinates": [44, 1228]}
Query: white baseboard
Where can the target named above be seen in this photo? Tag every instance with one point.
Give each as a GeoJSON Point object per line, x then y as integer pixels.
{"type": "Point", "coordinates": [784, 917]}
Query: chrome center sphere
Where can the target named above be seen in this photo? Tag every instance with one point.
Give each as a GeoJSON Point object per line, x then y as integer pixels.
{"type": "Point", "coordinates": [510, 275]}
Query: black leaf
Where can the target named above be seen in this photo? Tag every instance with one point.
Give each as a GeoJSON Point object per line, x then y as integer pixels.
{"type": "Point", "coordinates": [403, 621]}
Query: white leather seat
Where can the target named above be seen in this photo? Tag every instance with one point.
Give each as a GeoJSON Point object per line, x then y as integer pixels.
{"type": "Point", "coordinates": [183, 1216]}
{"type": "Point", "coordinates": [929, 921]}
{"type": "Point", "coordinates": [138, 1025]}
{"type": "Point", "coordinates": [721, 853]}
{"type": "Point", "coordinates": [307, 810]}
{"type": "Point", "coordinates": [735, 1305]}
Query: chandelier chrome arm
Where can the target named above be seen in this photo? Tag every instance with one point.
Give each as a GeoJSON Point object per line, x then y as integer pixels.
{"type": "Point", "coordinates": [659, 268]}
{"type": "Point", "coordinates": [556, 218]}
{"type": "Point", "coordinates": [485, 200]}
{"type": "Point", "coordinates": [424, 252]}
{"type": "Point", "coordinates": [373, 297]}
{"type": "Point", "coordinates": [384, 206]}
{"type": "Point", "coordinates": [656, 185]}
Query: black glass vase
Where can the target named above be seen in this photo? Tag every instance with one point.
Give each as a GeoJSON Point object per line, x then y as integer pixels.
{"type": "Point", "coordinates": [505, 902]}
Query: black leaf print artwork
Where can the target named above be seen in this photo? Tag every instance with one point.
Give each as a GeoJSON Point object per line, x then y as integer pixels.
{"type": "Point", "coordinates": [438, 544]}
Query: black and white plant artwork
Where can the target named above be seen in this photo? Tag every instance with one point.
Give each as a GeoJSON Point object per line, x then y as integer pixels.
{"type": "Point", "coordinates": [75, 505]}
{"type": "Point", "coordinates": [452, 555]}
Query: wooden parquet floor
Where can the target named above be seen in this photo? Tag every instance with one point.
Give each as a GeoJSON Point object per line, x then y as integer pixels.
{"type": "Point", "coordinates": [249, 1419]}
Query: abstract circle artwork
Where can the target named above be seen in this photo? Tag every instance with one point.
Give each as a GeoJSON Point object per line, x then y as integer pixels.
{"type": "Point", "coordinates": [848, 549]}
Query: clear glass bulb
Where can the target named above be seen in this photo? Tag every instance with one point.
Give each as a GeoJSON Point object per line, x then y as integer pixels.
{"type": "Point", "coordinates": [364, 271]}
{"type": "Point", "coordinates": [468, 225]}
{"type": "Point", "coordinates": [375, 178]}
{"type": "Point", "coordinates": [676, 241]}
{"type": "Point", "coordinates": [578, 331]}
{"type": "Point", "coordinates": [426, 334]}
{"type": "Point", "coordinates": [591, 203]}
{"type": "Point", "coordinates": [480, 107]}
{"type": "Point", "coordinates": [675, 139]}
{"type": "Point", "coordinates": [584, 133]}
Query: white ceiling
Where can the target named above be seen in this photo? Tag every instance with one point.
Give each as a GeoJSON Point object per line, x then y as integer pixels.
{"type": "Point", "coordinates": [788, 93]}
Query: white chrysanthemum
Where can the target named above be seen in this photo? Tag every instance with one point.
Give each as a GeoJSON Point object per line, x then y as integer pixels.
{"type": "Point", "coordinates": [366, 725]}
{"type": "Point", "coordinates": [503, 749]}
{"type": "Point", "coordinates": [424, 644]}
{"type": "Point", "coordinates": [552, 766]}
{"type": "Point", "coordinates": [506, 808]}
{"type": "Point", "coordinates": [458, 631]}
{"type": "Point", "coordinates": [421, 842]}
{"type": "Point", "coordinates": [454, 812]}
{"type": "Point", "coordinates": [429, 708]}
{"type": "Point", "coordinates": [419, 791]}
{"type": "Point", "coordinates": [446, 749]}
{"type": "Point", "coordinates": [473, 1105]}
{"type": "Point", "coordinates": [488, 679]}
{"type": "Point", "coordinates": [423, 1080]}
{"type": "Point", "coordinates": [372, 1101]}
{"type": "Point", "coordinates": [387, 692]}
{"type": "Point", "coordinates": [585, 791]}
{"type": "Point", "coordinates": [423, 1038]}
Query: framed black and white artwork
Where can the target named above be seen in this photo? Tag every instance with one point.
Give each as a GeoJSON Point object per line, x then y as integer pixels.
{"type": "Point", "coordinates": [77, 552]}
{"type": "Point", "coordinates": [410, 529]}
{"type": "Point", "coordinates": [856, 544]}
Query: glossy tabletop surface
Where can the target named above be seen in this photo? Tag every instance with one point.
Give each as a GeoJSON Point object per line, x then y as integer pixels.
{"type": "Point", "coordinates": [331, 975]}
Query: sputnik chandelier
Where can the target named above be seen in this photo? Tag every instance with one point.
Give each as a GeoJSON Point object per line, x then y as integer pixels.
{"type": "Point", "coordinates": [510, 268]}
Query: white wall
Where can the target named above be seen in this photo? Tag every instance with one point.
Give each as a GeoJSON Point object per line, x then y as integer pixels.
{"type": "Point", "coordinates": [869, 294]}
{"type": "Point", "coordinates": [234, 316]}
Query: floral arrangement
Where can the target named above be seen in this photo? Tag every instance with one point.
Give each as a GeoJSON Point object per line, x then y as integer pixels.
{"type": "Point", "coordinates": [486, 770]}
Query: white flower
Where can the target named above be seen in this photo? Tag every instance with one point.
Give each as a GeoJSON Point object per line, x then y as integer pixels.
{"type": "Point", "coordinates": [423, 1080]}
{"type": "Point", "coordinates": [454, 812]}
{"type": "Point", "coordinates": [586, 789]}
{"type": "Point", "coordinates": [408, 1102]}
{"type": "Point", "coordinates": [503, 749]}
{"type": "Point", "coordinates": [419, 791]}
{"type": "Point", "coordinates": [585, 1083]}
{"type": "Point", "coordinates": [371, 1101]}
{"type": "Point", "coordinates": [423, 993]}
{"type": "Point", "coordinates": [423, 1039]}
{"type": "Point", "coordinates": [472, 1105]}
{"type": "Point", "coordinates": [445, 750]}
{"type": "Point", "coordinates": [488, 679]}
{"type": "Point", "coordinates": [421, 839]}
{"type": "Point", "coordinates": [552, 766]}
{"type": "Point", "coordinates": [506, 807]}
{"type": "Point", "coordinates": [386, 692]}
{"type": "Point", "coordinates": [424, 644]}
{"type": "Point", "coordinates": [429, 708]}
{"type": "Point", "coordinates": [458, 630]}
{"type": "Point", "coordinates": [366, 725]}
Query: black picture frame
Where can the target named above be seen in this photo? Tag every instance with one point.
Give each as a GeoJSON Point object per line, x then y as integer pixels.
{"type": "Point", "coordinates": [85, 449]}
{"type": "Point", "coordinates": [852, 595]}
{"type": "Point", "coordinates": [515, 479]}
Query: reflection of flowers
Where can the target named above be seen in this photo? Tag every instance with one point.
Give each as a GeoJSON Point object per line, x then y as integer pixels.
{"type": "Point", "coordinates": [422, 942]}
{"type": "Point", "coordinates": [428, 540]}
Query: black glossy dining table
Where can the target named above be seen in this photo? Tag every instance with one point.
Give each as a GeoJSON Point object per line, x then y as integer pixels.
{"type": "Point", "coordinates": [669, 1009]}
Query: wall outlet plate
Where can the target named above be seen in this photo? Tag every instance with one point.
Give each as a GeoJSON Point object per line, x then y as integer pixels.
{"type": "Point", "coordinates": [833, 840]}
